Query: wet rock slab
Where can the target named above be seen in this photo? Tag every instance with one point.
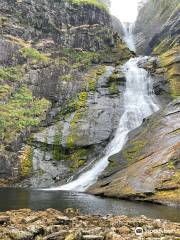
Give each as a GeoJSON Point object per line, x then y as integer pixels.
{"type": "Point", "coordinates": [25, 224]}
{"type": "Point", "coordinates": [147, 169]}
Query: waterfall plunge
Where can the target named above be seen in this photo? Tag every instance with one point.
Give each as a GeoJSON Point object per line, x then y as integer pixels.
{"type": "Point", "coordinates": [128, 35]}
{"type": "Point", "coordinates": [139, 103]}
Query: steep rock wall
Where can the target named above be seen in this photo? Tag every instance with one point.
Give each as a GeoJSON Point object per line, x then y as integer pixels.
{"type": "Point", "coordinates": [152, 17]}
{"type": "Point", "coordinates": [147, 169]}
{"type": "Point", "coordinates": [52, 55]}
{"type": "Point", "coordinates": [157, 31]}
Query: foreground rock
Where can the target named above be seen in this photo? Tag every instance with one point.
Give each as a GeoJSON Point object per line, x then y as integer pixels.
{"type": "Point", "coordinates": [51, 224]}
{"type": "Point", "coordinates": [148, 168]}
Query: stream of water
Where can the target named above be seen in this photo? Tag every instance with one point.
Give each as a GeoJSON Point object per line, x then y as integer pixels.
{"type": "Point", "coordinates": [128, 36]}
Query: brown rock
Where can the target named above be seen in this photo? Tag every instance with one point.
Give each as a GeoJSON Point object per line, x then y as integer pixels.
{"type": "Point", "coordinates": [63, 220]}
{"type": "Point", "coordinates": [20, 235]}
{"type": "Point", "coordinates": [55, 236]}
{"type": "Point", "coordinates": [113, 236]}
{"type": "Point", "coordinates": [177, 233]}
{"type": "Point", "coordinates": [123, 230]}
{"type": "Point", "coordinates": [74, 236]}
{"type": "Point", "coordinates": [30, 219]}
{"type": "Point", "coordinates": [92, 237]}
{"type": "Point", "coordinates": [4, 219]}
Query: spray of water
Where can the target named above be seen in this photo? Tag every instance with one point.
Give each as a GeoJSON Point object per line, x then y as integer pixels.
{"type": "Point", "coordinates": [128, 35]}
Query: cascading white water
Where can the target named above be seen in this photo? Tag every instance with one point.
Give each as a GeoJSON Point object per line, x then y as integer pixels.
{"type": "Point", "coordinates": [139, 103]}
{"type": "Point", "coordinates": [128, 35]}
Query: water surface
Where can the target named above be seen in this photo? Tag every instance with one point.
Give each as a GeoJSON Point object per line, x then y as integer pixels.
{"type": "Point", "coordinates": [40, 200]}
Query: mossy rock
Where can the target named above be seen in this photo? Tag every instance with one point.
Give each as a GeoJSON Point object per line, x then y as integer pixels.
{"type": "Point", "coordinates": [26, 161]}
{"type": "Point", "coordinates": [169, 60]}
{"type": "Point", "coordinates": [94, 3]}
{"type": "Point", "coordinates": [13, 74]}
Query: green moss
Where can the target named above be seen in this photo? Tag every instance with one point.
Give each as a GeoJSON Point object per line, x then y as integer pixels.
{"type": "Point", "coordinates": [3, 21]}
{"type": "Point", "coordinates": [62, 62]}
{"type": "Point", "coordinates": [118, 56]}
{"type": "Point", "coordinates": [171, 165]}
{"type": "Point", "coordinates": [169, 62]}
{"type": "Point", "coordinates": [26, 161]}
{"type": "Point", "coordinates": [113, 88]}
{"type": "Point", "coordinates": [163, 46]}
{"type": "Point", "coordinates": [176, 177]}
{"type": "Point", "coordinates": [90, 2]}
{"type": "Point", "coordinates": [92, 85]}
{"type": "Point", "coordinates": [134, 151]}
{"type": "Point", "coordinates": [21, 111]}
{"type": "Point", "coordinates": [66, 78]}
{"type": "Point", "coordinates": [113, 77]}
{"type": "Point", "coordinates": [11, 74]}
{"type": "Point", "coordinates": [57, 150]}
{"type": "Point", "coordinates": [34, 55]}
{"type": "Point", "coordinates": [81, 60]}
{"type": "Point", "coordinates": [5, 90]}
{"type": "Point", "coordinates": [92, 77]}
{"type": "Point", "coordinates": [77, 158]}
{"type": "Point", "coordinates": [81, 102]}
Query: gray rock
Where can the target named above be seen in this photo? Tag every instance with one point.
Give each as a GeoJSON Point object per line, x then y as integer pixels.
{"type": "Point", "coordinates": [92, 237]}
{"type": "Point", "coordinates": [148, 163]}
{"type": "Point", "coordinates": [156, 22]}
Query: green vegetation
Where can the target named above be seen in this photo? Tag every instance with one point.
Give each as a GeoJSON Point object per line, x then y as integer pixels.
{"type": "Point", "coordinates": [81, 102]}
{"type": "Point", "coordinates": [3, 21]}
{"type": "Point", "coordinates": [77, 158]}
{"type": "Point", "coordinates": [34, 55]}
{"type": "Point", "coordinates": [171, 165]}
{"type": "Point", "coordinates": [134, 151]}
{"type": "Point", "coordinates": [90, 2]}
{"type": "Point", "coordinates": [164, 45]}
{"type": "Point", "coordinates": [26, 161]}
{"type": "Point", "coordinates": [57, 151]}
{"type": "Point", "coordinates": [113, 88]}
{"type": "Point", "coordinates": [78, 59]}
{"type": "Point", "coordinates": [5, 90]}
{"type": "Point", "coordinates": [92, 77]}
{"type": "Point", "coordinates": [169, 62]}
{"type": "Point", "coordinates": [66, 78]}
{"type": "Point", "coordinates": [21, 111]}
{"type": "Point", "coordinates": [92, 85]}
{"type": "Point", "coordinates": [12, 74]}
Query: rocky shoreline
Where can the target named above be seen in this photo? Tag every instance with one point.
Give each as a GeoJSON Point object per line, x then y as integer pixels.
{"type": "Point", "coordinates": [25, 224]}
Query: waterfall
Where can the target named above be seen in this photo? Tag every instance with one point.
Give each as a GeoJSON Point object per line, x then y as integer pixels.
{"type": "Point", "coordinates": [128, 35]}
{"type": "Point", "coordinates": [139, 103]}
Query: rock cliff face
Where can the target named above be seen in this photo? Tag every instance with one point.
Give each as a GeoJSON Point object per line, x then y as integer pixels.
{"type": "Point", "coordinates": [147, 169]}
{"type": "Point", "coordinates": [156, 21]}
{"type": "Point", "coordinates": [55, 88]}
{"type": "Point", "coordinates": [117, 25]}
{"type": "Point", "coordinates": [157, 31]}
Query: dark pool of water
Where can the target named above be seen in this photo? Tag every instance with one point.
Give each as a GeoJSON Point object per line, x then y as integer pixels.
{"type": "Point", "coordinates": [38, 200]}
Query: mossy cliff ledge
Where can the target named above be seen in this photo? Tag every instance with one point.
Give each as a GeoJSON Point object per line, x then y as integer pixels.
{"type": "Point", "coordinates": [55, 87]}
{"type": "Point", "coordinates": [80, 132]}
